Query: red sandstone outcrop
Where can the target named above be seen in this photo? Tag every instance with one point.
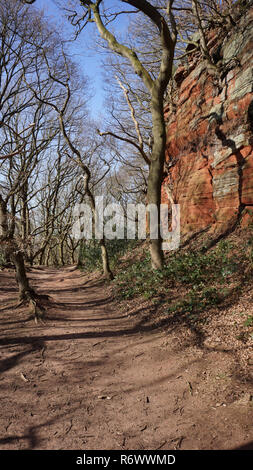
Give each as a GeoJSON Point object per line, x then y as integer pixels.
{"type": "Point", "coordinates": [209, 158]}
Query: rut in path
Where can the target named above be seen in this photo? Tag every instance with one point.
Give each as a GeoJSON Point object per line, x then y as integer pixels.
{"type": "Point", "coordinates": [93, 378]}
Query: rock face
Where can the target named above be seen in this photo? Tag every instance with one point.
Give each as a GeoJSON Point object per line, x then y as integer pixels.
{"type": "Point", "coordinates": [209, 157]}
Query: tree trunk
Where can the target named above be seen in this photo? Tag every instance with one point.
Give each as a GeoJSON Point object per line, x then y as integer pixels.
{"type": "Point", "coordinates": [104, 253]}
{"type": "Point", "coordinates": [25, 224]}
{"type": "Point", "coordinates": [15, 254]}
{"type": "Point", "coordinates": [25, 291]}
{"type": "Point", "coordinates": [80, 251]}
{"type": "Point", "coordinates": [105, 260]}
{"type": "Point", "coordinates": [155, 175]}
{"type": "Point", "coordinates": [47, 256]}
{"type": "Point", "coordinates": [5, 245]}
{"type": "Point", "coordinates": [62, 253]}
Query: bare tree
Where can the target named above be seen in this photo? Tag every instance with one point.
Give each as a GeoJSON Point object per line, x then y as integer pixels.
{"type": "Point", "coordinates": [26, 130]}
{"type": "Point", "coordinates": [17, 115]}
{"type": "Point", "coordinates": [156, 86]}
{"type": "Point", "coordinates": [62, 109]}
{"type": "Point", "coordinates": [154, 68]}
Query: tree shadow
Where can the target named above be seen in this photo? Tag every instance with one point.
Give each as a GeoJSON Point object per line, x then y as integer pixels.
{"type": "Point", "coordinates": [81, 305]}
{"type": "Point", "coordinates": [8, 289]}
{"type": "Point", "coordinates": [248, 446]}
{"type": "Point", "coordinates": [63, 318]}
{"type": "Point", "coordinates": [59, 290]}
{"type": "Point", "coordinates": [31, 435]}
{"type": "Point", "coordinates": [81, 288]}
{"type": "Point", "coordinates": [10, 362]}
{"type": "Point", "coordinates": [147, 323]}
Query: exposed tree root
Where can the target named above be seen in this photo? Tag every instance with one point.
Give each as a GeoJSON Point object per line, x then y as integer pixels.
{"type": "Point", "coordinates": [7, 266]}
{"type": "Point", "coordinates": [108, 276]}
{"type": "Point", "coordinates": [37, 310]}
{"type": "Point", "coordinates": [7, 306]}
{"type": "Point", "coordinates": [35, 304]}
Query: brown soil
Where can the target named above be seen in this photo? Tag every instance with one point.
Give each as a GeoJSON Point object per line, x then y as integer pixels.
{"type": "Point", "coordinates": [94, 377]}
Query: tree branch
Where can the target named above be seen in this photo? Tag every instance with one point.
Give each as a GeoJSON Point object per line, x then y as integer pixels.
{"type": "Point", "coordinates": [10, 155]}
{"type": "Point", "coordinates": [125, 139]}
{"type": "Point", "coordinates": [118, 47]}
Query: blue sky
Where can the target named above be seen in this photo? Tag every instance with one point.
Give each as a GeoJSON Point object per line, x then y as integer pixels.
{"type": "Point", "coordinates": [89, 61]}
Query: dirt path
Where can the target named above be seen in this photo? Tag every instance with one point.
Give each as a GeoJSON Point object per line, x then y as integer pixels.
{"type": "Point", "coordinates": [92, 378]}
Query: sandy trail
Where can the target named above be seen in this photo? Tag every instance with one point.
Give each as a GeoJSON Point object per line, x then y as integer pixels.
{"type": "Point", "coordinates": [93, 378]}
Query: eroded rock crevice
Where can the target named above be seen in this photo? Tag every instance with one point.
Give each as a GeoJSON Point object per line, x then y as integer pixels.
{"type": "Point", "coordinates": [210, 134]}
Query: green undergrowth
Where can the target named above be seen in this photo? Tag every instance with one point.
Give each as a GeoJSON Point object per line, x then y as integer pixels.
{"type": "Point", "coordinates": [2, 258]}
{"type": "Point", "coordinates": [91, 253]}
{"type": "Point", "coordinates": [191, 282]}
{"type": "Point", "coordinates": [192, 269]}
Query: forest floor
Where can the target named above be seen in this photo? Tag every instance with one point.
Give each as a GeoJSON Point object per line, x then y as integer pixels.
{"type": "Point", "coordinates": [93, 376]}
